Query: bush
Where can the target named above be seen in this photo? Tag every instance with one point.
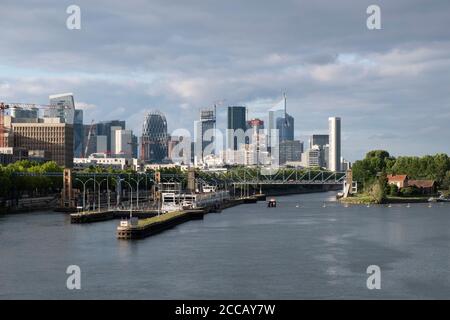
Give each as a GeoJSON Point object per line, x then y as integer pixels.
{"type": "Point", "coordinates": [393, 190]}
{"type": "Point", "coordinates": [409, 191]}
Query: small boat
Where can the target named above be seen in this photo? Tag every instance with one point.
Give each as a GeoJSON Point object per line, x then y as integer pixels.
{"type": "Point", "coordinates": [272, 203]}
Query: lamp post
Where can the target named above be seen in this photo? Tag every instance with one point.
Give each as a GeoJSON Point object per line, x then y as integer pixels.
{"type": "Point", "coordinates": [131, 197]}
{"type": "Point", "coordinates": [84, 190]}
{"type": "Point", "coordinates": [137, 190]}
{"type": "Point", "coordinates": [99, 185]}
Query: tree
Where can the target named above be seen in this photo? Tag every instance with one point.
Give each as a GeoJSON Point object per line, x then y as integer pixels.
{"type": "Point", "coordinates": [393, 190]}
{"type": "Point", "coordinates": [377, 192]}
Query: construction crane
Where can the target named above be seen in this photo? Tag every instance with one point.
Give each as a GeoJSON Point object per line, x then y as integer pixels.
{"type": "Point", "coordinates": [4, 106]}
{"type": "Point", "coordinates": [88, 139]}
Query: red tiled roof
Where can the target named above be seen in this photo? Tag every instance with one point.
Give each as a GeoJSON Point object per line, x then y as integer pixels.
{"type": "Point", "coordinates": [422, 183]}
{"type": "Point", "coordinates": [400, 177]}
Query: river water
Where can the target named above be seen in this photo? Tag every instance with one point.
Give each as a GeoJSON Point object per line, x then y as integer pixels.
{"type": "Point", "coordinates": [309, 247]}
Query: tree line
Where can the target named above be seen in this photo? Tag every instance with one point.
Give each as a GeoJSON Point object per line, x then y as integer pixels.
{"type": "Point", "coordinates": [27, 178]}
{"type": "Point", "coordinates": [373, 169]}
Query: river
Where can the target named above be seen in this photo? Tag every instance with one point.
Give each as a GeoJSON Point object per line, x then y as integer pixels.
{"type": "Point", "coordinates": [309, 247]}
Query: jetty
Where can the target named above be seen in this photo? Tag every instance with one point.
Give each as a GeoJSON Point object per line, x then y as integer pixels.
{"type": "Point", "coordinates": [136, 228]}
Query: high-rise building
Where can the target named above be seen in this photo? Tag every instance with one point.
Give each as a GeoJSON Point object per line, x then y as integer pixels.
{"type": "Point", "coordinates": [20, 113]}
{"type": "Point", "coordinates": [107, 128]}
{"type": "Point", "coordinates": [134, 146]}
{"type": "Point", "coordinates": [52, 137]}
{"type": "Point", "coordinates": [334, 125]}
{"type": "Point", "coordinates": [290, 151]}
{"type": "Point", "coordinates": [78, 134]}
{"type": "Point", "coordinates": [236, 119]}
{"type": "Point", "coordinates": [90, 140]}
{"type": "Point", "coordinates": [123, 143]}
{"type": "Point", "coordinates": [282, 122]}
{"type": "Point", "coordinates": [285, 127]}
{"type": "Point", "coordinates": [207, 122]}
{"type": "Point", "coordinates": [61, 106]}
{"type": "Point", "coordinates": [320, 142]}
{"type": "Point", "coordinates": [258, 141]}
{"type": "Point", "coordinates": [154, 138]}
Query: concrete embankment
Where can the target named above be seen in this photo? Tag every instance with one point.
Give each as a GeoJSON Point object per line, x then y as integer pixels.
{"type": "Point", "coordinates": [93, 216]}
{"type": "Point", "coordinates": [29, 204]}
{"type": "Point", "coordinates": [157, 224]}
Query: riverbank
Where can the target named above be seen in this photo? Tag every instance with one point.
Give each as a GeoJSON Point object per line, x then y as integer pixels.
{"type": "Point", "coordinates": [30, 204]}
{"type": "Point", "coordinates": [365, 199]}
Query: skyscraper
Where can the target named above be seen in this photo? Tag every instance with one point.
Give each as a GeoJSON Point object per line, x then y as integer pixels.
{"type": "Point", "coordinates": [334, 125]}
{"type": "Point", "coordinates": [207, 122]}
{"type": "Point", "coordinates": [105, 133]}
{"type": "Point", "coordinates": [281, 121]}
{"type": "Point", "coordinates": [62, 106]}
{"type": "Point", "coordinates": [285, 127]}
{"type": "Point", "coordinates": [236, 120]}
{"type": "Point", "coordinates": [78, 134]}
{"type": "Point", "coordinates": [154, 138]}
{"type": "Point", "coordinates": [320, 142]}
{"type": "Point", "coordinates": [123, 143]}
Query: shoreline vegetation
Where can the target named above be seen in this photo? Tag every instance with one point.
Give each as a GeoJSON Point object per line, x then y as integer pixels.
{"type": "Point", "coordinates": [367, 199]}
{"type": "Point", "coordinates": [374, 187]}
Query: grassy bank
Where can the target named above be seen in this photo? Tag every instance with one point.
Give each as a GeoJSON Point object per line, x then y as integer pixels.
{"type": "Point", "coordinates": [366, 199]}
{"type": "Point", "coordinates": [142, 223]}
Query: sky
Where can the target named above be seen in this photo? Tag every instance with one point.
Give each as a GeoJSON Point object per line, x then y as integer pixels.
{"type": "Point", "coordinates": [391, 87]}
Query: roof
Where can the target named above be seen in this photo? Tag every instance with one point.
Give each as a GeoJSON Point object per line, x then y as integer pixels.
{"type": "Point", "coordinates": [397, 178]}
{"type": "Point", "coordinates": [422, 183]}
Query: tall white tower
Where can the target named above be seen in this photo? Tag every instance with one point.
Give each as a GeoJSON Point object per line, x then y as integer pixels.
{"type": "Point", "coordinates": [334, 125]}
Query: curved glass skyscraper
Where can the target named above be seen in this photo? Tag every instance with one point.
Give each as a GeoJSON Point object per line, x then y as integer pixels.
{"type": "Point", "coordinates": [154, 138]}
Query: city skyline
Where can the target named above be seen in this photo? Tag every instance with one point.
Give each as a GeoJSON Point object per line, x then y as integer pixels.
{"type": "Point", "coordinates": [383, 83]}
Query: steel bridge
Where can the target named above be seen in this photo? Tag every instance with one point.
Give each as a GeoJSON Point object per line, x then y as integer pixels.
{"type": "Point", "coordinates": [232, 177]}
{"type": "Point", "coordinates": [280, 177]}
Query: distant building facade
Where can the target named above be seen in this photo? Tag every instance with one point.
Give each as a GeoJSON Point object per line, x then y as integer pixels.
{"type": "Point", "coordinates": [53, 137]}
{"type": "Point", "coordinates": [290, 151]}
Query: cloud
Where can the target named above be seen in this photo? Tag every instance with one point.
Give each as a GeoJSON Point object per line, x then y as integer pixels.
{"type": "Point", "coordinates": [180, 56]}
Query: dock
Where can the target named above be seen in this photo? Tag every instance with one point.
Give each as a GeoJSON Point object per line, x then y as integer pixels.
{"type": "Point", "coordinates": [138, 229]}
{"type": "Point", "coordinates": [147, 227]}
{"type": "Point", "coordinates": [104, 215]}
